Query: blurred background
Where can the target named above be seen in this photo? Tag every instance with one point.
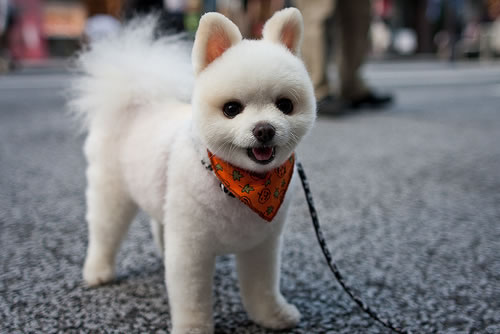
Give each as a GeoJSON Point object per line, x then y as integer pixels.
{"type": "Point", "coordinates": [408, 194]}
{"type": "Point", "coordinates": [40, 31]}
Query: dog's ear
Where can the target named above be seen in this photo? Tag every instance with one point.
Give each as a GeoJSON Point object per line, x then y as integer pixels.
{"type": "Point", "coordinates": [285, 27]}
{"type": "Point", "coordinates": [214, 36]}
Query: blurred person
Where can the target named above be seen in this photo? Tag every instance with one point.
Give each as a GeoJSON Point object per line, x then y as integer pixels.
{"type": "Point", "coordinates": [4, 23]}
{"type": "Point", "coordinates": [171, 13]}
{"type": "Point", "coordinates": [351, 26]}
{"type": "Point", "coordinates": [102, 20]}
{"type": "Point", "coordinates": [7, 17]}
{"type": "Point", "coordinates": [4, 15]}
{"type": "Point", "coordinates": [101, 26]}
{"type": "Point", "coordinates": [453, 21]}
{"type": "Point", "coordinates": [258, 11]}
{"type": "Point", "coordinates": [233, 10]}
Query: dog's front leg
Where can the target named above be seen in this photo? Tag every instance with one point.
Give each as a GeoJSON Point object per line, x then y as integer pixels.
{"type": "Point", "coordinates": [259, 275]}
{"type": "Point", "coordinates": [189, 276]}
{"type": "Point", "coordinates": [109, 213]}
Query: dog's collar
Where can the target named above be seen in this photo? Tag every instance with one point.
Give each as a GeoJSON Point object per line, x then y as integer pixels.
{"type": "Point", "coordinates": [208, 166]}
{"type": "Point", "coordinates": [264, 194]}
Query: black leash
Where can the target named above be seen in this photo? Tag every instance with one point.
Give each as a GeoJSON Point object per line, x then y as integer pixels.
{"type": "Point", "coordinates": [329, 260]}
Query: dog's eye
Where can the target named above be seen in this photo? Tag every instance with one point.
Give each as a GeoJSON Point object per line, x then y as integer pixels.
{"type": "Point", "coordinates": [231, 109]}
{"type": "Point", "coordinates": [285, 105]}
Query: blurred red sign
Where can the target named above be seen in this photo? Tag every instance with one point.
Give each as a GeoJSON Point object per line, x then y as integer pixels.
{"type": "Point", "coordinates": [26, 39]}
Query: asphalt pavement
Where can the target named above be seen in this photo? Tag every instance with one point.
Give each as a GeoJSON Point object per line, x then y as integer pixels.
{"type": "Point", "coordinates": [409, 199]}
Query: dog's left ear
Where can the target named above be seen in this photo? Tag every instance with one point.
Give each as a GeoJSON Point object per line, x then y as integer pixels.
{"type": "Point", "coordinates": [285, 27]}
{"type": "Point", "coordinates": [214, 36]}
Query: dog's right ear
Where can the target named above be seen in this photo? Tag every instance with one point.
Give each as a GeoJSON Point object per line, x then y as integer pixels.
{"type": "Point", "coordinates": [214, 36]}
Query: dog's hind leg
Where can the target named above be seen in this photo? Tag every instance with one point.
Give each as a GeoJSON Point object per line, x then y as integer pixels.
{"type": "Point", "coordinates": [157, 229]}
{"type": "Point", "coordinates": [109, 213]}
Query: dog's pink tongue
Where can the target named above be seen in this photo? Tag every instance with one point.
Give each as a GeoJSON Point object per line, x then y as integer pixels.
{"type": "Point", "coordinates": [262, 153]}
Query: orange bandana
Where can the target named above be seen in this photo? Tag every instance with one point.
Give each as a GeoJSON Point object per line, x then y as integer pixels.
{"type": "Point", "coordinates": [264, 194]}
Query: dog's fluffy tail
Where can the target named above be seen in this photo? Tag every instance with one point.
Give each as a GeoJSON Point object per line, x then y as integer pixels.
{"type": "Point", "coordinates": [129, 69]}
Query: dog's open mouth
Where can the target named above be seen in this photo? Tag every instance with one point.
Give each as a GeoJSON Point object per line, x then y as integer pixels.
{"type": "Point", "coordinates": [261, 155]}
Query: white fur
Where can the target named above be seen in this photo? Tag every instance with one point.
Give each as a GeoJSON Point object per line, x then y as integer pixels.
{"type": "Point", "coordinates": [144, 149]}
{"type": "Point", "coordinates": [211, 25]}
{"type": "Point", "coordinates": [285, 23]}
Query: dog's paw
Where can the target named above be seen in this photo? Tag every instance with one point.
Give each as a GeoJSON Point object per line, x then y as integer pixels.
{"type": "Point", "coordinates": [282, 316]}
{"type": "Point", "coordinates": [204, 329]}
{"type": "Point", "coordinates": [97, 272]}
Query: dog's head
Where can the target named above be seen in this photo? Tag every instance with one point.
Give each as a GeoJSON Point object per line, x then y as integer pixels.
{"type": "Point", "coordinates": [253, 100]}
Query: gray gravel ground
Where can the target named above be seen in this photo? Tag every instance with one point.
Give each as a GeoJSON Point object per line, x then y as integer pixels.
{"type": "Point", "coordinates": [409, 199]}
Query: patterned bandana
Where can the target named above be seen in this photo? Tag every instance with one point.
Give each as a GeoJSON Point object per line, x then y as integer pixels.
{"type": "Point", "coordinates": [264, 194]}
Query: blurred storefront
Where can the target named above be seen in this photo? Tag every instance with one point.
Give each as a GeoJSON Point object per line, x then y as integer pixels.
{"type": "Point", "coordinates": [45, 29]}
{"type": "Point", "coordinates": [63, 25]}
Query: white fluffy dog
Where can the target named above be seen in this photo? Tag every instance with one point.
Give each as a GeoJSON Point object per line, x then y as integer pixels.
{"type": "Point", "coordinates": [252, 103]}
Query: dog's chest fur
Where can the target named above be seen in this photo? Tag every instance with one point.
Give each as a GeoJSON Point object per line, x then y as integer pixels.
{"type": "Point", "coordinates": [234, 226]}
{"type": "Point", "coordinates": [175, 188]}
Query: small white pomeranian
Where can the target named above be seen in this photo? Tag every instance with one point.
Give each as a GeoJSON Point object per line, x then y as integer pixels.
{"type": "Point", "coordinates": [212, 174]}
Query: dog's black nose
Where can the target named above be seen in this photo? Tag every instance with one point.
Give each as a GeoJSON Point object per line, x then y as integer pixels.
{"type": "Point", "coordinates": [264, 132]}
